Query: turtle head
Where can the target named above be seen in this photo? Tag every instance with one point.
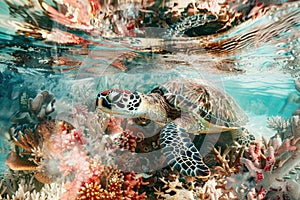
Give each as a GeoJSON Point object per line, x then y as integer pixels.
{"type": "Point", "coordinates": [119, 102]}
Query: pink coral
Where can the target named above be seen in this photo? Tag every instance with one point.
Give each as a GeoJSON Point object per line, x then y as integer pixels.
{"type": "Point", "coordinates": [67, 140]}
{"type": "Point", "coordinates": [269, 172]}
{"type": "Point", "coordinates": [255, 152]}
{"type": "Point", "coordinates": [68, 147]}
{"type": "Point", "coordinates": [115, 125]}
{"type": "Point", "coordinates": [270, 159]}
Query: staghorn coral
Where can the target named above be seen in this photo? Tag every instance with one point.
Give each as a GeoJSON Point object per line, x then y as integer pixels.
{"type": "Point", "coordinates": [214, 189]}
{"type": "Point", "coordinates": [278, 123]}
{"type": "Point", "coordinates": [82, 173]}
{"type": "Point", "coordinates": [271, 169]}
{"type": "Point", "coordinates": [174, 190]}
{"type": "Point", "coordinates": [18, 185]}
{"type": "Point", "coordinates": [26, 188]}
{"type": "Point", "coordinates": [229, 160]}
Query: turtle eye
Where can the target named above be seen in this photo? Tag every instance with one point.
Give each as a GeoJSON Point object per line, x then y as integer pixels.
{"type": "Point", "coordinates": [106, 103]}
{"type": "Point", "coordinates": [103, 99]}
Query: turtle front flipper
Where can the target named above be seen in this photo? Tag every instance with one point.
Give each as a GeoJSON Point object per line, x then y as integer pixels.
{"type": "Point", "coordinates": [181, 153]}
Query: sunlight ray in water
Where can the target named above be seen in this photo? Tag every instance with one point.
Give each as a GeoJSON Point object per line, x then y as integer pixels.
{"type": "Point", "coordinates": [149, 99]}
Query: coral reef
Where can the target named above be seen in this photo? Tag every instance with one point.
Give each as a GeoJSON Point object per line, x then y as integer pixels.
{"type": "Point", "coordinates": [271, 168]}
{"type": "Point", "coordinates": [55, 155]}
{"type": "Point", "coordinates": [92, 157]}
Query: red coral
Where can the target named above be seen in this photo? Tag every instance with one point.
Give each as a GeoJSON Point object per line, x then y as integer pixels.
{"type": "Point", "coordinates": [270, 160]}
{"type": "Point", "coordinates": [259, 176]}
{"type": "Point", "coordinates": [127, 141]}
{"type": "Point", "coordinates": [131, 183]}
{"type": "Point", "coordinates": [261, 194]}
{"type": "Point", "coordinates": [116, 188]}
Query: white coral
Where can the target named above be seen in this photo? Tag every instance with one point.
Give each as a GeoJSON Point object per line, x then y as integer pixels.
{"type": "Point", "coordinates": [278, 123]}
{"type": "Point", "coordinates": [53, 191]}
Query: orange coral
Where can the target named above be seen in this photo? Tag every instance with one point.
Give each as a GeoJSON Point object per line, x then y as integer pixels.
{"type": "Point", "coordinates": [93, 189]}
{"type": "Point", "coordinates": [90, 191]}
{"type": "Point", "coordinates": [115, 186]}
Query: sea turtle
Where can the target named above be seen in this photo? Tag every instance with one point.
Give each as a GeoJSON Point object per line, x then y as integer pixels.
{"type": "Point", "coordinates": [182, 106]}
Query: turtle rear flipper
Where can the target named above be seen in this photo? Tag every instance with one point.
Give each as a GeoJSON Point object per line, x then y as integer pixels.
{"type": "Point", "coordinates": [243, 137]}
{"type": "Point", "coordinates": [181, 153]}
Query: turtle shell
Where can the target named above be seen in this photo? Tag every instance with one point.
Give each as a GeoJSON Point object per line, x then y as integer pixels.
{"type": "Point", "coordinates": [205, 101]}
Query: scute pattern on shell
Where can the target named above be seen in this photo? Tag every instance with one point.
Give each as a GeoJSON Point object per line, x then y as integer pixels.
{"type": "Point", "coordinates": [204, 100]}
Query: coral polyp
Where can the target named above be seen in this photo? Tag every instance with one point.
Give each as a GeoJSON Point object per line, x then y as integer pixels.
{"type": "Point", "coordinates": [127, 141]}
{"type": "Point", "coordinates": [90, 191]}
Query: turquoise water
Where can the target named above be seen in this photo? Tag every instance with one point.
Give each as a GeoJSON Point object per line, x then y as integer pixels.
{"type": "Point", "coordinates": [33, 58]}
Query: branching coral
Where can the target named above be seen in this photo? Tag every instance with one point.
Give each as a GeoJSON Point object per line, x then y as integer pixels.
{"type": "Point", "coordinates": [174, 190]}
{"type": "Point", "coordinates": [213, 189]}
{"type": "Point", "coordinates": [68, 152]}
{"type": "Point", "coordinates": [285, 128]}
{"type": "Point", "coordinates": [19, 185]}
{"type": "Point", "coordinates": [278, 123]}
{"type": "Point", "coordinates": [26, 188]}
{"type": "Point", "coordinates": [269, 171]}
{"type": "Point", "coordinates": [133, 182]}
{"type": "Point", "coordinates": [229, 159]}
